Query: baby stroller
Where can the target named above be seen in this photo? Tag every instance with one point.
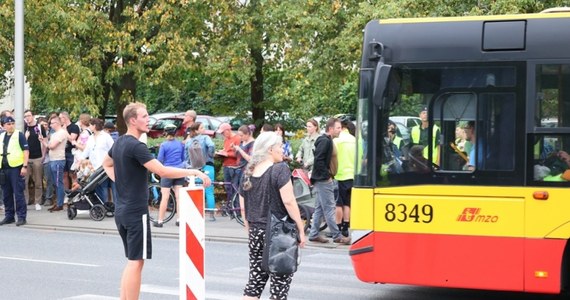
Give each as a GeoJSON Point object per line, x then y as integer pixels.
{"type": "Point", "coordinates": [85, 198]}
{"type": "Point", "coordinates": [304, 195]}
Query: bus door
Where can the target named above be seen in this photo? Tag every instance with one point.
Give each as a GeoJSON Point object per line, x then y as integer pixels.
{"type": "Point", "coordinates": [468, 222]}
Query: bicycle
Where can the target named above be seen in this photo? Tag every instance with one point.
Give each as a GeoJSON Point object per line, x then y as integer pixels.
{"type": "Point", "coordinates": [231, 208]}
{"type": "Point", "coordinates": [154, 199]}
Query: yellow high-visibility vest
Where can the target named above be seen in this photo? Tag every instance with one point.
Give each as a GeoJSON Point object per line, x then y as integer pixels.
{"type": "Point", "coordinates": [15, 155]}
{"type": "Point", "coordinates": [416, 140]}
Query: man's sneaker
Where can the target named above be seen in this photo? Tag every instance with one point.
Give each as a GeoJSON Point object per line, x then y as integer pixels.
{"type": "Point", "coordinates": [345, 232]}
{"type": "Point", "coordinates": [7, 221]}
{"type": "Point", "coordinates": [342, 240]}
{"type": "Point", "coordinates": [319, 239]}
{"type": "Point", "coordinates": [21, 222]}
{"type": "Point", "coordinates": [2, 207]}
{"type": "Point", "coordinates": [158, 224]}
{"type": "Point", "coordinates": [48, 203]}
{"type": "Point", "coordinates": [38, 207]}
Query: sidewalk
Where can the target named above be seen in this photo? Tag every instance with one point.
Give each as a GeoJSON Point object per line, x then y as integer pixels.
{"type": "Point", "coordinates": [222, 229]}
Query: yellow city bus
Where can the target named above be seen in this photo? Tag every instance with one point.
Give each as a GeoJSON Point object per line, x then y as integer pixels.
{"type": "Point", "coordinates": [478, 195]}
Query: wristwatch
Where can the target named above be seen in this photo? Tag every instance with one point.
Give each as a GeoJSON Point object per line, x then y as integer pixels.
{"type": "Point", "coordinates": [25, 167]}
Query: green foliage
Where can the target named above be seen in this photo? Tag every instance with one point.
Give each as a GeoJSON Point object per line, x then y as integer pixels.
{"type": "Point", "coordinates": [221, 57]}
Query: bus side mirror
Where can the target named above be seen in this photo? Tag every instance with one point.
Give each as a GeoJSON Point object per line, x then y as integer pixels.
{"type": "Point", "coordinates": [381, 77]}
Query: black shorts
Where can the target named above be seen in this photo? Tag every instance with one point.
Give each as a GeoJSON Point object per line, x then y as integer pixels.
{"type": "Point", "coordinates": [344, 192]}
{"type": "Point", "coordinates": [68, 162]}
{"type": "Point", "coordinates": [135, 233]}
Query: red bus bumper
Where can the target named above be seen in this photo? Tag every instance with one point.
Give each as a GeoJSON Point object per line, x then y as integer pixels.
{"type": "Point", "coordinates": [475, 262]}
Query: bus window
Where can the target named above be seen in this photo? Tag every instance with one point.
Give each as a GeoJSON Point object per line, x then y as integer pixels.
{"type": "Point", "coordinates": [552, 159]}
{"type": "Point", "coordinates": [553, 95]}
{"type": "Point", "coordinates": [483, 123]}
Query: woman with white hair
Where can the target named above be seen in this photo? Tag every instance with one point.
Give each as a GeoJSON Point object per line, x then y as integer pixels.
{"type": "Point", "coordinates": [266, 186]}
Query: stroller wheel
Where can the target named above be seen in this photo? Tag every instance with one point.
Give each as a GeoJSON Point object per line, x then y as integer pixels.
{"type": "Point", "coordinates": [306, 215]}
{"type": "Point", "coordinates": [97, 212]}
{"type": "Point", "coordinates": [110, 209]}
{"type": "Point", "coordinates": [71, 212]}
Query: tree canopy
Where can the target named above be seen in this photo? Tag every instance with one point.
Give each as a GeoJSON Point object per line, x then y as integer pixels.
{"type": "Point", "coordinates": [223, 57]}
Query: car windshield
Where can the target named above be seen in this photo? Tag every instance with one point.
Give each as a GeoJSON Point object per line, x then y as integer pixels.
{"type": "Point", "coordinates": [162, 123]}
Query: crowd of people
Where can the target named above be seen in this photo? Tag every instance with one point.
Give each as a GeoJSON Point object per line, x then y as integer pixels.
{"type": "Point", "coordinates": [54, 155]}
{"type": "Point", "coordinates": [51, 156]}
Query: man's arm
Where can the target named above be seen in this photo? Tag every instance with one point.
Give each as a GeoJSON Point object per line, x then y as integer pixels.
{"type": "Point", "coordinates": [108, 167]}
{"type": "Point", "coordinates": [54, 141]}
{"type": "Point", "coordinates": [170, 172]}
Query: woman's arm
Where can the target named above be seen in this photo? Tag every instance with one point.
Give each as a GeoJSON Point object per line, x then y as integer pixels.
{"type": "Point", "coordinates": [288, 198]}
{"type": "Point", "coordinates": [242, 206]}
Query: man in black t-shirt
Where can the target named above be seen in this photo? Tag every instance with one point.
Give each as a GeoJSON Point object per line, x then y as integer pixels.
{"type": "Point", "coordinates": [127, 163]}
{"type": "Point", "coordinates": [35, 135]}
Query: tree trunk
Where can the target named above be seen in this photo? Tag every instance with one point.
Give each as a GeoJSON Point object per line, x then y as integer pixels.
{"type": "Point", "coordinates": [121, 99]}
{"type": "Point", "coordinates": [256, 81]}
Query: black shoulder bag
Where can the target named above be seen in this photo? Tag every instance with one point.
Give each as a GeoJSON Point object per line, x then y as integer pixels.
{"type": "Point", "coordinates": [281, 245]}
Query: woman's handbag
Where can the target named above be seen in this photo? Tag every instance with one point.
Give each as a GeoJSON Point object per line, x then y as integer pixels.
{"type": "Point", "coordinates": [281, 250]}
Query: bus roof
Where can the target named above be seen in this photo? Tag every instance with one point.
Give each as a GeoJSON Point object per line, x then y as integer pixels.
{"type": "Point", "coordinates": [470, 39]}
{"type": "Point", "coordinates": [476, 18]}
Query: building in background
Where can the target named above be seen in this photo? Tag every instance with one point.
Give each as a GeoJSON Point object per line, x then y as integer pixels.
{"type": "Point", "coordinates": [8, 94]}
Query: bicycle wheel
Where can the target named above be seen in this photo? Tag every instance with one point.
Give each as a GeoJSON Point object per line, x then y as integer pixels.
{"type": "Point", "coordinates": [154, 200]}
{"type": "Point", "coordinates": [235, 209]}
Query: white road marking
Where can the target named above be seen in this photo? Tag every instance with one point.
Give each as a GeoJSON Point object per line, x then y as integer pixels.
{"type": "Point", "coordinates": [49, 261]}
{"type": "Point", "coordinates": [212, 296]}
{"type": "Point", "coordinates": [91, 297]}
{"type": "Point", "coordinates": [159, 289]}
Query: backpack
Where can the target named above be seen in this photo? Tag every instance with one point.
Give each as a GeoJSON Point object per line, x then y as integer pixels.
{"type": "Point", "coordinates": [196, 155]}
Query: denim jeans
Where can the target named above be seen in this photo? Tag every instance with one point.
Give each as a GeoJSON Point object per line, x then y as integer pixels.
{"type": "Point", "coordinates": [232, 175]}
{"type": "Point", "coordinates": [325, 206]}
{"type": "Point", "coordinates": [102, 190]}
{"type": "Point", "coordinates": [56, 168]}
{"type": "Point", "coordinates": [48, 192]}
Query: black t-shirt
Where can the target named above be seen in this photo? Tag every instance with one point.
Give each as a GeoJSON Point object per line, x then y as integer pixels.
{"type": "Point", "coordinates": [131, 177]}
{"type": "Point", "coordinates": [34, 143]}
{"type": "Point", "coordinates": [265, 190]}
{"type": "Point", "coordinates": [72, 128]}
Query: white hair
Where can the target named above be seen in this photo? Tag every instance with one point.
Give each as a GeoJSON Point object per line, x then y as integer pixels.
{"type": "Point", "coordinates": [261, 147]}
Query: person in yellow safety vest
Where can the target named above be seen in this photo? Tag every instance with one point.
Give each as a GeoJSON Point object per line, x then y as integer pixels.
{"type": "Point", "coordinates": [13, 168]}
{"type": "Point", "coordinates": [419, 136]}
{"type": "Point", "coordinates": [394, 138]}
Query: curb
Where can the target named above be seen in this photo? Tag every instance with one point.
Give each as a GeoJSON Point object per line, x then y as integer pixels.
{"type": "Point", "coordinates": [93, 230]}
{"type": "Point", "coordinates": [114, 232]}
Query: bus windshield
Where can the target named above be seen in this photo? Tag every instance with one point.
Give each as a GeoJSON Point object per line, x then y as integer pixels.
{"type": "Point", "coordinates": [457, 119]}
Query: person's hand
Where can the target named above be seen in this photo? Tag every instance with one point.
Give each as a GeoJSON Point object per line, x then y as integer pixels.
{"type": "Point", "coordinates": [206, 182]}
{"type": "Point", "coordinates": [27, 134]}
{"type": "Point", "coordinates": [302, 239]}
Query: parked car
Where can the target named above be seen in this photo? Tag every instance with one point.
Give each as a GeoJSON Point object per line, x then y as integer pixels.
{"type": "Point", "coordinates": [210, 123]}
{"type": "Point", "coordinates": [406, 120]}
{"type": "Point", "coordinates": [155, 117]}
{"type": "Point", "coordinates": [111, 118]}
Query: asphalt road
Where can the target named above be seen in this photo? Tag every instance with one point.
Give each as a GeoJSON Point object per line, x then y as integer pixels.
{"type": "Point", "coordinates": [41, 264]}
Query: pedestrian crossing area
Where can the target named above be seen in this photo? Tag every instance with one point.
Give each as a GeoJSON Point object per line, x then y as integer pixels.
{"type": "Point", "coordinates": [323, 274]}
